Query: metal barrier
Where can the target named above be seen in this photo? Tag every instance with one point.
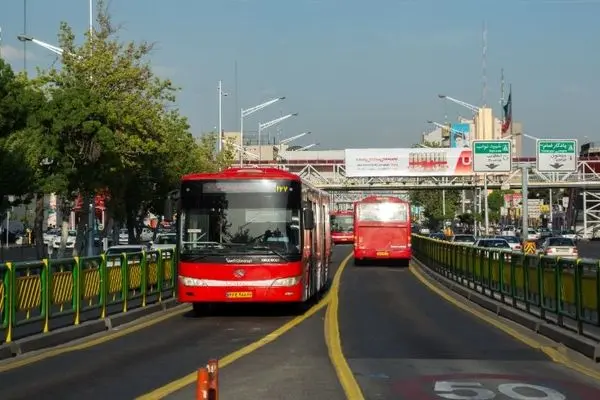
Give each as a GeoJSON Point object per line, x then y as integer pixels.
{"type": "Point", "coordinates": [39, 296]}
{"type": "Point", "coordinates": [551, 288]}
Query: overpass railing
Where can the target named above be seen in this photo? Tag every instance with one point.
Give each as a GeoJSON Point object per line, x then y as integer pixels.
{"type": "Point", "coordinates": [40, 296]}
{"type": "Point", "coordinates": [562, 291]}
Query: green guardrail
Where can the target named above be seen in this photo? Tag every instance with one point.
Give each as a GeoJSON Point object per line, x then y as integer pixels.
{"type": "Point", "coordinates": [35, 294]}
{"type": "Point", "coordinates": [551, 288]}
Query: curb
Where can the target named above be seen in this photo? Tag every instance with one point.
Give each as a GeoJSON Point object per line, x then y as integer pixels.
{"type": "Point", "coordinates": [67, 334]}
{"type": "Point", "coordinates": [582, 345]}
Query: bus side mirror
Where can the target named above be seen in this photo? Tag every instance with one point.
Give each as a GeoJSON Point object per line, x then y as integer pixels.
{"type": "Point", "coordinates": [309, 219]}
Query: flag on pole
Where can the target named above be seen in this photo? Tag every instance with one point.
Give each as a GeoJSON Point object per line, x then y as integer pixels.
{"type": "Point", "coordinates": [507, 108]}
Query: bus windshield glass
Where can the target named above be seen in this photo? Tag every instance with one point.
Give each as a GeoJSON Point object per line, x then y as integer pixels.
{"type": "Point", "coordinates": [226, 217]}
{"type": "Point", "coordinates": [382, 212]}
{"type": "Point", "coordinates": [342, 223]}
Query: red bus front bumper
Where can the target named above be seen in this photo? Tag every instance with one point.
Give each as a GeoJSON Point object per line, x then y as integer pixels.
{"type": "Point", "coordinates": [370, 254]}
{"type": "Point", "coordinates": [338, 238]}
{"type": "Point", "coordinates": [239, 294]}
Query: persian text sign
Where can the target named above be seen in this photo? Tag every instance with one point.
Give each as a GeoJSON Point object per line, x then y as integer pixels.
{"type": "Point", "coordinates": [407, 162]}
{"type": "Point", "coordinates": [556, 155]}
{"type": "Point", "coordinates": [492, 156]}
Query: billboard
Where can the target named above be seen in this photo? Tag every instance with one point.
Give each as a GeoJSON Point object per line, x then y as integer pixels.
{"type": "Point", "coordinates": [408, 162]}
{"type": "Point", "coordinates": [460, 135]}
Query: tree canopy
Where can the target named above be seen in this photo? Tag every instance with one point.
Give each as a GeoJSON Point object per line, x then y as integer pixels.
{"type": "Point", "coordinates": [100, 122]}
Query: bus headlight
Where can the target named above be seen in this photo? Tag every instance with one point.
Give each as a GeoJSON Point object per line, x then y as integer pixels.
{"type": "Point", "coordinates": [286, 282]}
{"type": "Point", "coordinates": [191, 282]}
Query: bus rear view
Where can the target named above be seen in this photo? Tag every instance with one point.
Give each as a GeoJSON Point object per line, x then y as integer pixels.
{"type": "Point", "coordinates": [382, 229]}
{"type": "Point", "coordinates": [342, 227]}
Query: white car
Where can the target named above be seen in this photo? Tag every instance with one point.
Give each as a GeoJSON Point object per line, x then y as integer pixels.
{"type": "Point", "coordinates": [164, 241]}
{"type": "Point", "coordinates": [71, 239]}
{"type": "Point", "coordinates": [513, 242]}
{"type": "Point", "coordinates": [463, 239]}
{"type": "Point", "coordinates": [508, 230]}
{"type": "Point", "coordinates": [123, 236]}
{"type": "Point", "coordinates": [532, 234]}
{"type": "Point", "coordinates": [559, 247]}
{"type": "Point", "coordinates": [50, 236]}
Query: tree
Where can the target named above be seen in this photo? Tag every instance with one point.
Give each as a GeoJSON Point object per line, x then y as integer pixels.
{"type": "Point", "coordinates": [111, 120]}
{"type": "Point", "coordinates": [16, 107]}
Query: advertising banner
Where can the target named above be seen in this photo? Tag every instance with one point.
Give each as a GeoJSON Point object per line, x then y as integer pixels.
{"type": "Point", "coordinates": [408, 162]}
{"type": "Point", "coordinates": [460, 135]}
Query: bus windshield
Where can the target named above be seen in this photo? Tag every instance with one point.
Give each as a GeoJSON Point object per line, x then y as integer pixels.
{"type": "Point", "coordinates": [342, 223]}
{"type": "Point", "coordinates": [240, 217]}
{"type": "Point", "coordinates": [382, 212]}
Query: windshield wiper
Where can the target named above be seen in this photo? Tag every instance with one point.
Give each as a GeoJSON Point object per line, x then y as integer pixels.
{"type": "Point", "coordinates": [276, 252]}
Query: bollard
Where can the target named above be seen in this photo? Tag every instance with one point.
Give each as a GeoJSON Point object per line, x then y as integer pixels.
{"type": "Point", "coordinates": [202, 385]}
{"type": "Point", "coordinates": [207, 386]}
{"type": "Point", "coordinates": [213, 379]}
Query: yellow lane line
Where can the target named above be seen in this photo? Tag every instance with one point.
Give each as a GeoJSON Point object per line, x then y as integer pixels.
{"type": "Point", "coordinates": [554, 354]}
{"type": "Point", "coordinates": [92, 342]}
{"type": "Point", "coordinates": [190, 379]}
{"type": "Point", "coordinates": [334, 343]}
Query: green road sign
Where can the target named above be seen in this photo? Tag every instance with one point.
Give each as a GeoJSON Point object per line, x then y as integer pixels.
{"type": "Point", "coordinates": [556, 155]}
{"type": "Point", "coordinates": [491, 156]}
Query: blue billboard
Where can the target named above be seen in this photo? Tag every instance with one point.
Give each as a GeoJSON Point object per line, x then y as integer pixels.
{"type": "Point", "coordinates": [460, 135]}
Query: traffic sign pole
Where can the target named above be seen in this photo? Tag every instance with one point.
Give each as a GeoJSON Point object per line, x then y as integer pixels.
{"type": "Point", "coordinates": [491, 156]}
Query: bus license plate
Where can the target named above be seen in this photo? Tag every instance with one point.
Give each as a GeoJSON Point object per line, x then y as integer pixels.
{"type": "Point", "coordinates": [239, 295]}
{"type": "Point", "coordinates": [383, 253]}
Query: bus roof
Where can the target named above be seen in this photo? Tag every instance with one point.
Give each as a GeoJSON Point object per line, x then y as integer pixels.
{"type": "Point", "coordinates": [243, 173]}
{"type": "Point", "coordinates": [381, 199]}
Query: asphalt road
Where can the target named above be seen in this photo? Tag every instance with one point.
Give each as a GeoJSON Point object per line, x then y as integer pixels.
{"type": "Point", "coordinates": [137, 363]}
{"type": "Point", "coordinates": [400, 338]}
{"type": "Point", "coordinates": [589, 248]}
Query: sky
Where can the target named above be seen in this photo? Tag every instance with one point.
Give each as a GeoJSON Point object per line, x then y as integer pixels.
{"type": "Point", "coordinates": [359, 73]}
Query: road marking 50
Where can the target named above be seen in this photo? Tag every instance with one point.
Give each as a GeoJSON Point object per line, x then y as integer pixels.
{"type": "Point", "coordinates": [476, 391]}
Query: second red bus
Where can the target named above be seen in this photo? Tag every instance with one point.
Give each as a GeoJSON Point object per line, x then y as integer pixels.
{"type": "Point", "coordinates": [342, 227]}
{"type": "Point", "coordinates": [382, 229]}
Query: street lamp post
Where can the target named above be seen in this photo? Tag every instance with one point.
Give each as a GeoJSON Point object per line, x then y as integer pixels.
{"type": "Point", "coordinates": [475, 110]}
{"type": "Point", "coordinates": [248, 111]}
{"type": "Point", "coordinates": [267, 125]}
{"type": "Point", "coordinates": [221, 94]}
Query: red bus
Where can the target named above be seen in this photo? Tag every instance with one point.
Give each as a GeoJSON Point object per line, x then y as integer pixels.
{"type": "Point", "coordinates": [342, 227]}
{"type": "Point", "coordinates": [251, 235]}
{"type": "Point", "coordinates": [382, 229]}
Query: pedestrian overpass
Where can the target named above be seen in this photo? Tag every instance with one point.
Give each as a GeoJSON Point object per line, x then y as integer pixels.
{"type": "Point", "coordinates": [330, 174]}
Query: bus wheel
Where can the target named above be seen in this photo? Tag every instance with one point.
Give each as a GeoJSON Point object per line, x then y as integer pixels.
{"type": "Point", "coordinates": [358, 262]}
{"type": "Point", "coordinates": [201, 309]}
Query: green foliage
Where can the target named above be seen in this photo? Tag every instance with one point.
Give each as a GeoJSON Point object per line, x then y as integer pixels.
{"type": "Point", "coordinates": [433, 205]}
{"type": "Point", "coordinates": [101, 122]}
